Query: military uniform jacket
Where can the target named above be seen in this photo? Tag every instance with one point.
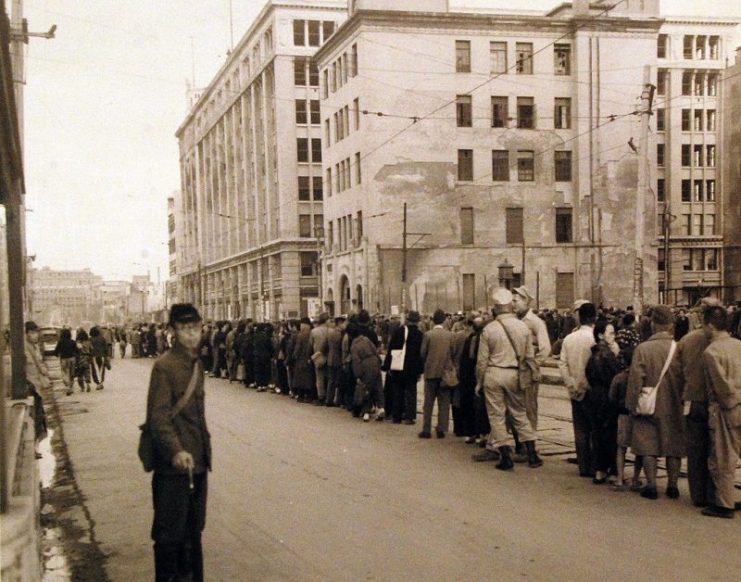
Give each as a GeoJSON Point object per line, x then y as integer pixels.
{"type": "Point", "coordinates": [187, 431]}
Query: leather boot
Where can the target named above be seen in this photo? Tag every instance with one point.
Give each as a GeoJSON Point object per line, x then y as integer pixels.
{"type": "Point", "coordinates": [533, 460]}
{"type": "Point", "coordinates": [505, 461]}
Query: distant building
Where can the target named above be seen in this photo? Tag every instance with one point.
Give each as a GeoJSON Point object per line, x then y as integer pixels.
{"type": "Point", "coordinates": [174, 224]}
{"type": "Point", "coordinates": [66, 297]}
{"type": "Point", "coordinates": [731, 125]}
{"type": "Point", "coordinates": [251, 179]}
{"type": "Point", "coordinates": [114, 296]}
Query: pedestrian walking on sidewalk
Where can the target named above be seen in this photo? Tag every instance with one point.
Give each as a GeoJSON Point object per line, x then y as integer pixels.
{"type": "Point", "coordinates": [84, 358]}
{"type": "Point", "coordinates": [66, 350]}
{"type": "Point", "coordinates": [182, 451]}
{"type": "Point", "coordinates": [99, 360]}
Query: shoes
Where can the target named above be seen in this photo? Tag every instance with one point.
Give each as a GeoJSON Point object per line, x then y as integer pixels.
{"type": "Point", "coordinates": [439, 434]}
{"type": "Point", "coordinates": [715, 511]}
{"type": "Point", "coordinates": [408, 422]}
{"type": "Point", "coordinates": [99, 387]}
{"type": "Point", "coordinates": [319, 402]}
{"type": "Point", "coordinates": [486, 456]}
{"type": "Point", "coordinates": [672, 492]}
{"type": "Point", "coordinates": [469, 440]}
{"type": "Point", "coordinates": [380, 413]}
{"type": "Point", "coordinates": [396, 421]}
{"type": "Point", "coordinates": [424, 435]}
{"type": "Point", "coordinates": [636, 486]}
{"type": "Point", "coordinates": [533, 460]}
{"type": "Point", "coordinates": [505, 462]}
{"type": "Point", "coordinates": [618, 487]}
{"type": "Point", "coordinates": [519, 457]}
{"type": "Point", "coordinates": [366, 417]}
{"type": "Point", "coordinates": [261, 389]}
{"type": "Point", "coordinates": [277, 390]}
{"type": "Point", "coordinates": [700, 503]}
{"type": "Point", "coordinates": [649, 493]}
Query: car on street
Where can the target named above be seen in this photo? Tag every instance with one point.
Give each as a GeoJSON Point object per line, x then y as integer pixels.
{"type": "Point", "coordinates": [48, 338]}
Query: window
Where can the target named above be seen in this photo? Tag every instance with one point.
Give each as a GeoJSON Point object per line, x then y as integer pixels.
{"type": "Point", "coordinates": [299, 72]}
{"type": "Point", "coordinates": [327, 29]}
{"type": "Point", "coordinates": [498, 55]}
{"type": "Point", "coordinates": [316, 186]}
{"type": "Point", "coordinates": [525, 166]}
{"type": "Point", "coordinates": [315, 118]}
{"type": "Point", "coordinates": [686, 120]}
{"type": "Point", "coordinates": [686, 191]}
{"type": "Point", "coordinates": [697, 191]}
{"type": "Point", "coordinates": [360, 224]}
{"type": "Point", "coordinates": [463, 109]}
{"type": "Point", "coordinates": [699, 84]}
{"type": "Point", "coordinates": [525, 113]}
{"type": "Point", "coordinates": [302, 147]}
{"type": "Point", "coordinates": [299, 33]}
{"type": "Point", "coordinates": [714, 47]}
{"type": "Point", "coordinates": [354, 60]}
{"type": "Point", "coordinates": [686, 260]}
{"type": "Point", "coordinates": [514, 226]}
{"type": "Point", "coordinates": [358, 175]}
{"type": "Point", "coordinates": [700, 47]}
{"type": "Point", "coordinates": [313, 33]}
{"type": "Point", "coordinates": [562, 163]}
{"type": "Point", "coordinates": [698, 160]}
{"type": "Point", "coordinates": [469, 291]}
{"type": "Point", "coordinates": [467, 225]}
{"type": "Point", "coordinates": [661, 46]}
{"type": "Point", "coordinates": [662, 260]}
{"type": "Point", "coordinates": [697, 224]}
{"type": "Point", "coordinates": [313, 75]}
{"type": "Point", "coordinates": [327, 132]}
{"type": "Point", "coordinates": [687, 47]}
{"type": "Point", "coordinates": [300, 111]}
{"type": "Point", "coordinates": [318, 231]}
{"type": "Point", "coordinates": [712, 88]}
{"type": "Point", "coordinates": [304, 225]}
{"type": "Point", "coordinates": [564, 290]}
{"type": "Point", "coordinates": [328, 181]}
{"type": "Point", "coordinates": [661, 78]}
{"type": "Point", "coordinates": [709, 228]}
{"type": "Point", "coordinates": [465, 165]}
{"type": "Point", "coordinates": [316, 150]}
{"type": "Point", "coordinates": [308, 263]}
{"type": "Point", "coordinates": [356, 113]}
{"type": "Point", "coordinates": [710, 119]}
{"type": "Point", "coordinates": [697, 117]}
{"type": "Point", "coordinates": [660, 149]}
{"type": "Point", "coordinates": [524, 52]}
{"type": "Point", "coordinates": [687, 83]}
{"type": "Point", "coordinates": [303, 188]}
{"type": "Point", "coordinates": [500, 165]}
{"type": "Point", "coordinates": [462, 56]}
{"type": "Point", "coordinates": [686, 155]}
{"type": "Point", "coordinates": [710, 191]}
{"type": "Point", "coordinates": [561, 59]}
{"type": "Point", "coordinates": [499, 113]}
{"type": "Point", "coordinates": [564, 232]}
{"type": "Point", "coordinates": [711, 259]}
{"type": "Point", "coordinates": [661, 190]}
{"type": "Point", "coordinates": [562, 113]}
{"type": "Point", "coordinates": [660, 119]}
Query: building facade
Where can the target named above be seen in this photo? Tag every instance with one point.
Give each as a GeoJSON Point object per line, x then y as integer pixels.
{"type": "Point", "coordinates": [251, 181]}
{"type": "Point", "coordinates": [66, 297]}
{"type": "Point", "coordinates": [731, 178]}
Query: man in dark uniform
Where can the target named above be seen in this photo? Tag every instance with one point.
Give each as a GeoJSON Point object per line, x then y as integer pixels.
{"type": "Point", "coordinates": [182, 451]}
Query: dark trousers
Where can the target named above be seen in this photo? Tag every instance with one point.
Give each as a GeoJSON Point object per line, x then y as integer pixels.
{"type": "Point", "coordinates": [434, 390]}
{"type": "Point", "coordinates": [402, 402]}
{"type": "Point", "coordinates": [583, 431]}
{"type": "Point", "coordinates": [97, 365]}
{"type": "Point", "coordinates": [179, 519]}
{"type": "Point", "coordinates": [604, 431]}
{"type": "Point", "coordinates": [333, 384]}
{"type": "Point", "coordinates": [464, 415]}
{"type": "Point", "coordinates": [702, 488]}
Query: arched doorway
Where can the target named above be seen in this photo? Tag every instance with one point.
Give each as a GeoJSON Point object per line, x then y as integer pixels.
{"type": "Point", "coordinates": [359, 296]}
{"type": "Point", "coordinates": [345, 305]}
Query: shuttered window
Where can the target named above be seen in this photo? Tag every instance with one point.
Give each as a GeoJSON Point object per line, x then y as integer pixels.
{"type": "Point", "coordinates": [514, 226]}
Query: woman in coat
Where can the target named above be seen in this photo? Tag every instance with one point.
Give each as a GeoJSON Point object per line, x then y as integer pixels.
{"type": "Point", "coordinates": [301, 364]}
{"type": "Point", "coordinates": [662, 434]}
{"type": "Point", "coordinates": [262, 354]}
{"type": "Point", "coordinates": [366, 366]}
{"type": "Point", "coordinates": [84, 358]}
{"type": "Point", "coordinates": [99, 359]}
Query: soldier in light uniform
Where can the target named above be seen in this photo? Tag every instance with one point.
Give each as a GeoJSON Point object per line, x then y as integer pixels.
{"type": "Point", "coordinates": [503, 343]}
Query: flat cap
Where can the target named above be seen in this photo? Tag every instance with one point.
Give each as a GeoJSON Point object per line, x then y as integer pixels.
{"type": "Point", "coordinates": [662, 315]}
{"type": "Point", "coordinates": [183, 313]}
{"type": "Point", "coordinates": [523, 291]}
{"type": "Point", "coordinates": [502, 296]}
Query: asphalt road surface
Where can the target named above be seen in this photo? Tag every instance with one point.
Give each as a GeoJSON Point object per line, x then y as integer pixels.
{"type": "Point", "coordinates": [305, 493]}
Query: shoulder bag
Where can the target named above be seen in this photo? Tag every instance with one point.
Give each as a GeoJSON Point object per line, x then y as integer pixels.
{"type": "Point", "coordinates": [647, 398]}
{"type": "Point", "coordinates": [398, 356]}
{"type": "Point", "coordinates": [146, 442]}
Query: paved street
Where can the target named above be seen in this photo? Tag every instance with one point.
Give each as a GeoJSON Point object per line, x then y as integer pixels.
{"type": "Point", "coordinates": [303, 493]}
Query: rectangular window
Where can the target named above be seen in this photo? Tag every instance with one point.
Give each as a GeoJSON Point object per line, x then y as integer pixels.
{"type": "Point", "coordinates": [710, 113]}
{"type": "Point", "coordinates": [499, 113]}
{"type": "Point", "coordinates": [709, 227]}
{"type": "Point", "coordinates": [564, 233]}
{"type": "Point", "coordinates": [299, 33]}
{"type": "Point", "coordinates": [564, 290]}
{"type": "Point", "coordinates": [660, 149]}
{"type": "Point", "coordinates": [661, 46]}
{"type": "Point", "coordinates": [698, 160]}
{"type": "Point", "coordinates": [308, 263]}
{"type": "Point", "coordinates": [697, 123]}
{"type": "Point", "coordinates": [661, 190]}
{"type": "Point", "coordinates": [315, 118]}
{"type": "Point", "coordinates": [714, 47]}
{"type": "Point", "coordinates": [687, 47]}
{"type": "Point", "coordinates": [525, 166]}
{"type": "Point", "coordinates": [465, 165]}
{"type": "Point", "coordinates": [686, 260]}
{"type": "Point", "coordinates": [661, 78]}
{"type": "Point", "coordinates": [463, 110]}
{"type": "Point", "coordinates": [525, 113]}
{"type": "Point", "coordinates": [325, 83]}
{"type": "Point", "coordinates": [467, 235]}
{"type": "Point", "coordinates": [300, 111]}
{"type": "Point", "coordinates": [302, 147]}
{"type": "Point", "coordinates": [524, 53]}
{"type": "Point", "coordinates": [697, 224]}
{"type": "Point", "coordinates": [660, 119]}
{"type": "Point", "coordinates": [354, 60]}
{"type": "Point", "coordinates": [562, 59]}
{"type": "Point", "coordinates": [316, 150]}
{"type": "Point", "coordinates": [686, 191]}
{"type": "Point", "coordinates": [318, 190]}
{"type": "Point", "coordinates": [318, 231]}
{"type": "Point", "coordinates": [500, 165]}
{"type": "Point", "coordinates": [562, 113]}
{"type": "Point", "coordinates": [327, 29]}
{"type": "Point", "coordinates": [304, 193]}
{"type": "Point", "coordinates": [313, 75]}
{"type": "Point", "coordinates": [711, 259]}
{"type": "Point", "coordinates": [314, 39]}
{"type": "Point", "coordinates": [662, 260]}
{"type": "Point", "coordinates": [712, 88]}
{"type": "Point", "coordinates": [462, 56]}
{"type": "Point", "coordinates": [686, 123]}
{"type": "Point", "coordinates": [469, 291]}
{"type": "Point", "coordinates": [328, 181]}
{"type": "Point", "coordinates": [697, 191]}
{"type": "Point", "coordinates": [304, 225]}
{"type": "Point", "coordinates": [700, 47]}
{"type": "Point", "coordinates": [687, 83]}
{"type": "Point", "coordinates": [710, 190]}
{"type": "Point", "coordinates": [562, 163]}
{"type": "Point", "coordinates": [359, 222]}
{"type": "Point", "coordinates": [498, 56]}
{"type": "Point", "coordinates": [327, 132]}
{"type": "Point", "coordinates": [356, 113]}
{"type": "Point", "coordinates": [514, 226]}
{"type": "Point", "coordinates": [699, 84]}
{"type": "Point", "coordinates": [686, 155]}
{"type": "Point", "coordinates": [299, 72]}
{"type": "Point", "coordinates": [358, 175]}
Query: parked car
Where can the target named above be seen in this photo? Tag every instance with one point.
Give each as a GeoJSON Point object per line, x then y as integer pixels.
{"type": "Point", "coordinates": [48, 338]}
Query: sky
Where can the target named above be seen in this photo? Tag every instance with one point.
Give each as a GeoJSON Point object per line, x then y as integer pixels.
{"type": "Point", "coordinates": [102, 103]}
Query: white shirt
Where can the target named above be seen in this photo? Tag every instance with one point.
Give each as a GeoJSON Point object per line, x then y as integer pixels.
{"type": "Point", "coordinates": [575, 353]}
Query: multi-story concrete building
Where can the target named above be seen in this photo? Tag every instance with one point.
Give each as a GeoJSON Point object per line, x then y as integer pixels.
{"type": "Point", "coordinates": [731, 179]}
{"type": "Point", "coordinates": [114, 296]}
{"type": "Point", "coordinates": [251, 181]}
{"type": "Point", "coordinates": [66, 296]}
{"type": "Point", "coordinates": [171, 285]}
{"type": "Point", "coordinates": [517, 137]}
{"type": "Point", "coordinates": [692, 108]}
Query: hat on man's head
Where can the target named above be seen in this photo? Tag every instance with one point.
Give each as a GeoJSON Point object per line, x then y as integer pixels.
{"type": "Point", "coordinates": [31, 326]}
{"type": "Point", "coordinates": [364, 318]}
{"type": "Point", "coordinates": [523, 291]}
{"type": "Point", "coordinates": [577, 304]}
{"type": "Point", "coordinates": [183, 313]}
{"type": "Point", "coordinates": [502, 297]}
{"type": "Point", "coordinates": [323, 317]}
{"type": "Point", "coordinates": [413, 316]}
{"type": "Point", "coordinates": [706, 302]}
{"type": "Point", "coordinates": [662, 315]}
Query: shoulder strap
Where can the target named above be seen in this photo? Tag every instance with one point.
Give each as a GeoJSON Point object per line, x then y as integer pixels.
{"type": "Point", "coordinates": [185, 398]}
{"type": "Point", "coordinates": [666, 364]}
{"type": "Point", "coordinates": [509, 337]}
{"type": "Point", "coordinates": [406, 331]}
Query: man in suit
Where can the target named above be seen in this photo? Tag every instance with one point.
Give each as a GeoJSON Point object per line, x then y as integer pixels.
{"type": "Point", "coordinates": [182, 451]}
{"type": "Point", "coordinates": [402, 404]}
{"type": "Point", "coordinates": [723, 369]}
{"type": "Point", "coordinates": [318, 341]}
{"type": "Point", "coordinates": [436, 352]}
{"type": "Point", "coordinates": [334, 361]}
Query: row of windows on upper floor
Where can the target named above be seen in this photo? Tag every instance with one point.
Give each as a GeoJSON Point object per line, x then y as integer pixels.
{"type": "Point", "coordinates": [336, 75]}
{"type": "Point", "coordinates": [694, 47]}
{"type": "Point", "coordinates": [692, 120]}
{"type": "Point", "coordinates": [525, 166]}
{"type": "Point", "coordinates": [524, 55]}
{"type": "Point", "coordinates": [696, 83]}
{"type": "Point", "coordinates": [312, 32]}
{"type": "Point", "coordinates": [692, 190]}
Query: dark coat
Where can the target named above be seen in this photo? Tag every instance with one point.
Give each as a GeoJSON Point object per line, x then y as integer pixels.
{"type": "Point", "coordinates": [366, 365]}
{"type": "Point", "coordinates": [469, 357]}
{"type": "Point", "coordinates": [602, 367]}
{"type": "Point", "coordinates": [334, 348]}
{"type": "Point", "coordinates": [413, 363]}
{"type": "Point", "coordinates": [171, 374]}
{"type": "Point", "coordinates": [302, 364]}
